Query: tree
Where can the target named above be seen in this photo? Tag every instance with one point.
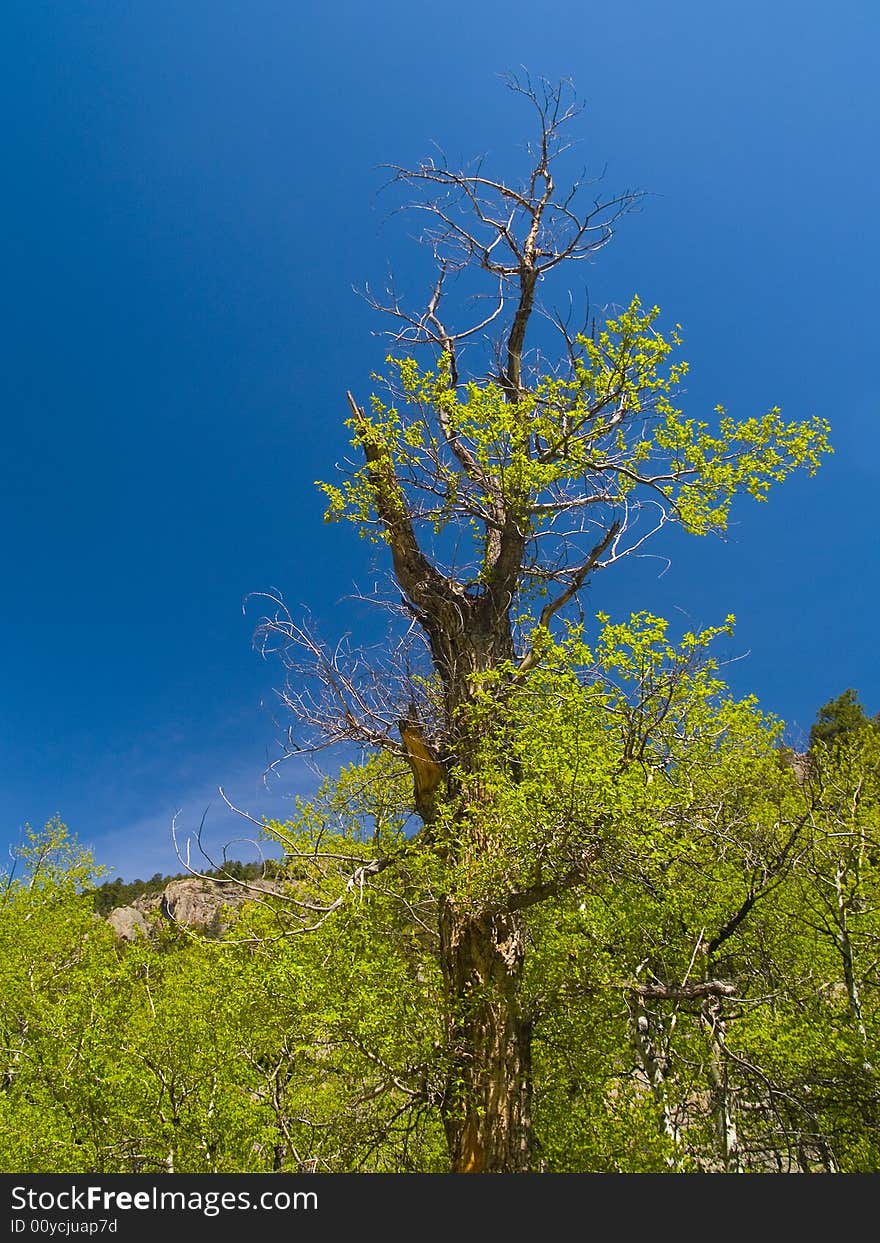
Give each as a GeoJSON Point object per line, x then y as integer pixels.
{"type": "Point", "coordinates": [498, 495]}
{"type": "Point", "coordinates": [838, 718]}
{"type": "Point", "coordinates": [687, 1000]}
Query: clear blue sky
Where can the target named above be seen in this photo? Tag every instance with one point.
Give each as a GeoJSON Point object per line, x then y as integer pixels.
{"type": "Point", "coordinates": [190, 195]}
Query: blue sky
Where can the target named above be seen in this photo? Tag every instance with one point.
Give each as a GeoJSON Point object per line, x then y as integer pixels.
{"type": "Point", "coordinates": [192, 192]}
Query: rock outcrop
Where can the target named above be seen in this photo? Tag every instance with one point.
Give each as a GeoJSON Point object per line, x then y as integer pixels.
{"type": "Point", "coordinates": [128, 923]}
{"type": "Point", "coordinates": [191, 902]}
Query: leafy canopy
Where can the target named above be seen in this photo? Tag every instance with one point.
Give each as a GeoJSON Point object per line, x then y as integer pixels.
{"type": "Point", "coordinates": [608, 434]}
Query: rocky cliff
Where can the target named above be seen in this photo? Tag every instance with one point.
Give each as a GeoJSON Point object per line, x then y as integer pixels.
{"type": "Point", "coordinates": [191, 902]}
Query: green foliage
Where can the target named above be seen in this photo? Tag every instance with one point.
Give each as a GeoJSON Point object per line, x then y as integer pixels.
{"type": "Point", "coordinates": [680, 858]}
{"type": "Point", "coordinates": [177, 1053]}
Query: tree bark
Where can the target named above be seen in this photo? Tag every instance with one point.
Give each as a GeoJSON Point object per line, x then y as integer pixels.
{"type": "Point", "coordinates": [487, 1104]}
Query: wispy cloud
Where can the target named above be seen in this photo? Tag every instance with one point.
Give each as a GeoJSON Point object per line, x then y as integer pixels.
{"type": "Point", "coordinates": [202, 823]}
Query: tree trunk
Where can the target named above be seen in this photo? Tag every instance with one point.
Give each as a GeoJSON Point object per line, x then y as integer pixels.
{"type": "Point", "coordinates": [486, 1108]}
{"type": "Point", "coordinates": [487, 1102]}
{"type": "Point", "coordinates": [487, 1105]}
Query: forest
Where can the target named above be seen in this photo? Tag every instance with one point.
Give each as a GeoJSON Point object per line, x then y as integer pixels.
{"type": "Point", "coordinates": [707, 1001]}
{"type": "Point", "coordinates": [568, 904]}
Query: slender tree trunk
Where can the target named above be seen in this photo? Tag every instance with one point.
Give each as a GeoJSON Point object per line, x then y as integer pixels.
{"type": "Point", "coordinates": [717, 1071]}
{"type": "Point", "coordinates": [655, 1067]}
{"type": "Point", "coordinates": [844, 943]}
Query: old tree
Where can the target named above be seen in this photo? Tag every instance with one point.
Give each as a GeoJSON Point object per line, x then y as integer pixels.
{"type": "Point", "coordinates": [504, 460]}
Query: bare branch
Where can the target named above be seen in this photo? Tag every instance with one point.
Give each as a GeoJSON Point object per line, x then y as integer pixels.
{"type": "Point", "coordinates": [578, 579]}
